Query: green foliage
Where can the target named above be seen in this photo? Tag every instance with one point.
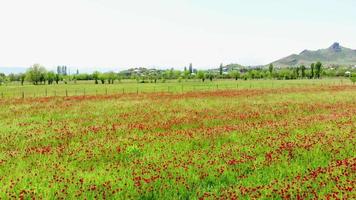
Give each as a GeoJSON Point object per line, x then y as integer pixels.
{"type": "Point", "coordinates": [36, 74]}
{"type": "Point", "coordinates": [335, 54]}
{"type": "Point", "coordinates": [270, 68]}
{"type": "Point", "coordinates": [312, 68]}
{"type": "Point", "coordinates": [201, 75]}
{"type": "Point", "coordinates": [51, 77]}
{"type": "Point", "coordinates": [2, 78]}
{"type": "Point", "coordinates": [190, 68]}
{"type": "Point", "coordinates": [111, 77]}
{"type": "Point", "coordinates": [318, 69]}
{"type": "Point", "coordinates": [353, 78]}
{"type": "Point", "coordinates": [283, 143]}
{"type": "Point", "coordinates": [96, 76]}
{"type": "Point", "coordinates": [234, 74]}
{"type": "Point", "coordinates": [302, 68]}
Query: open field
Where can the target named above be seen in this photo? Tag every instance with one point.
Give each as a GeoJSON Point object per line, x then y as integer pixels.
{"type": "Point", "coordinates": [82, 88]}
{"type": "Point", "coordinates": [240, 140]}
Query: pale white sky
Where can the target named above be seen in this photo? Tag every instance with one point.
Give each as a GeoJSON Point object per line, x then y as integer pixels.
{"type": "Point", "coordinates": [118, 34]}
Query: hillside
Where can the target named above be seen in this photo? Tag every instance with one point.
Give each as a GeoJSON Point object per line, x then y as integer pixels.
{"type": "Point", "coordinates": [334, 55]}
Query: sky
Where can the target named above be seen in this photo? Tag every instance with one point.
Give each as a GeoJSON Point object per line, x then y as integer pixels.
{"type": "Point", "coordinates": [119, 34]}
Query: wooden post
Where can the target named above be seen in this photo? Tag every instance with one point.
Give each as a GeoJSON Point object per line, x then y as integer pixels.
{"type": "Point", "coordinates": [137, 90]}
{"type": "Point", "coordinates": [106, 91]}
{"type": "Point", "coordinates": [66, 93]}
{"type": "Point", "coordinates": [23, 94]}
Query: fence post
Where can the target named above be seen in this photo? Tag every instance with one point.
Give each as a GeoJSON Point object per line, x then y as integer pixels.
{"type": "Point", "coordinates": [123, 90]}
{"type": "Point", "coordinates": [84, 91]}
{"type": "Point", "coordinates": [136, 90]}
{"type": "Point", "coordinates": [2, 95]}
{"type": "Point", "coordinates": [106, 91]}
{"type": "Point", "coordinates": [23, 94]}
{"type": "Point", "coordinates": [66, 93]}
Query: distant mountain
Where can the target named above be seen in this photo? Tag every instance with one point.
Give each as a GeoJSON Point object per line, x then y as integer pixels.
{"type": "Point", "coordinates": [334, 55]}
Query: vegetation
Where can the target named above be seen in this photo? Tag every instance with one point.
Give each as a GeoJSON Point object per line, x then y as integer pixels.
{"type": "Point", "coordinates": [332, 56]}
{"type": "Point", "coordinates": [37, 74]}
{"type": "Point", "coordinates": [353, 78]}
{"type": "Point", "coordinates": [278, 140]}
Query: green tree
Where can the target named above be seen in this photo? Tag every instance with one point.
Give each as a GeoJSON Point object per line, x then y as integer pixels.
{"type": "Point", "coordinates": [270, 68]}
{"type": "Point", "coordinates": [2, 78]}
{"type": "Point", "coordinates": [186, 74]}
{"type": "Point", "coordinates": [111, 77]}
{"type": "Point", "coordinates": [22, 78]}
{"type": "Point", "coordinates": [201, 75]}
{"type": "Point", "coordinates": [318, 69]}
{"type": "Point", "coordinates": [302, 68]}
{"type": "Point", "coordinates": [234, 74]}
{"type": "Point", "coordinates": [51, 77]}
{"type": "Point", "coordinates": [36, 74]}
{"type": "Point", "coordinates": [210, 76]}
{"type": "Point", "coordinates": [57, 78]}
{"type": "Point", "coordinates": [312, 70]}
{"type": "Point", "coordinates": [96, 75]}
{"type": "Point", "coordinates": [103, 78]}
{"type": "Point", "coordinates": [296, 70]}
{"type": "Point", "coordinates": [353, 78]}
{"type": "Point", "coordinates": [190, 68]}
{"type": "Point", "coordinates": [221, 69]}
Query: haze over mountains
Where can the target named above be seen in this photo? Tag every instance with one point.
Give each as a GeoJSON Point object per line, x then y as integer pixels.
{"type": "Point", "coordinates": [334, 55]}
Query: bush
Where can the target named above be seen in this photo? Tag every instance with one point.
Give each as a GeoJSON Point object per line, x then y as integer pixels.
{"type": "Point", "coordinates": [353, 78]}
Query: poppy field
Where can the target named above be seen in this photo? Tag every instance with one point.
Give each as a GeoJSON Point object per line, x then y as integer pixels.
{"type": "Point", "coordinates": [247, 143]}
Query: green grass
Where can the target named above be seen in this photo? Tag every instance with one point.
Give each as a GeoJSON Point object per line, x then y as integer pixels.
{"type": "Point", "coordinates": [294, 139]}
{"type": "Point", "coordinates": [16, 90]}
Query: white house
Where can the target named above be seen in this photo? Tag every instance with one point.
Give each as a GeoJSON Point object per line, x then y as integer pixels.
{"type": "Point", "coordinates": [347, 73]}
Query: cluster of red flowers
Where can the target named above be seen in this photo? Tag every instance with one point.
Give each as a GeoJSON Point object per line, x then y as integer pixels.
{"type": "Point", "coordinates": [257, 143]}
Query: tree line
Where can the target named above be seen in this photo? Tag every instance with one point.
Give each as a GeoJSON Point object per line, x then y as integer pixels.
{"type": "Point", "coordinates": [38, 74]}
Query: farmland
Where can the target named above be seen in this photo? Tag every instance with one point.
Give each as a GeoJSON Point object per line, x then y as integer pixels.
{"type": "Point", "coordinates": [190, 140]}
